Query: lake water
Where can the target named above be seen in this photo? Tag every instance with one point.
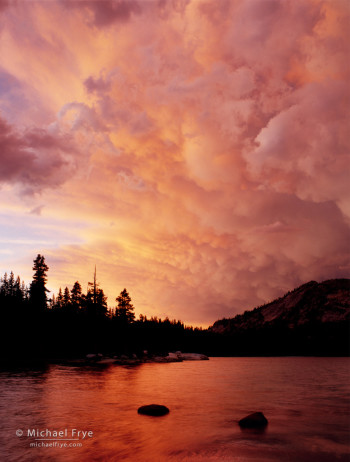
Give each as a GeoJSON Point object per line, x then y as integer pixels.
{"type": "Point", "coordinates": [306, 400]}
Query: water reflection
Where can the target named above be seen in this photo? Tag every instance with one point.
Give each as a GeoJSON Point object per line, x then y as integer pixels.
{"type": "Point", "coordinates": [305, 400]}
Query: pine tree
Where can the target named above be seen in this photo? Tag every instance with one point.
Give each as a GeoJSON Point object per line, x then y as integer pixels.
{"type": "Point", "coordinates": [95, 300]}
{"type": "Point", "coordinates": [25, 291]}
{"type": "Point", "coordinates": [125, 310]}
{"type": "Point", "coordinates": [4, 286]}
{"type": "Point", "coordinates": [18, 292]}
{"type": "Point", "coordinates": [37, 291]}
{"type": "Point", "coordinates": [12, 297]}
{"type": "Point", "coordinates": [11, 285]}
{"type": "Point", "coordinates": [59, 299]}
{"type": "Point", "coordinates": [66, 298]}
{"type": "Point", "coordinates": [76, 295]}
{"type": "Point", "coordinates": [52, 302]}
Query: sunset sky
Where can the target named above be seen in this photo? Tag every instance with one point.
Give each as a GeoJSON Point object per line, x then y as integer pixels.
{"type": "Point", "coordinates": [196, 151]}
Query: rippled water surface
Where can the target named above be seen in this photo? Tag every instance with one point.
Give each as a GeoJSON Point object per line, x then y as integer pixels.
{"type": "Point", "coordinates": [306, 400]}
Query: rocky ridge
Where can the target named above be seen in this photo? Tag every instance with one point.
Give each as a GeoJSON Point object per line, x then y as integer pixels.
{"type": "Point", "coordinates": [325, 302]}
{"type": "Point", "coordinates": [313, 319]}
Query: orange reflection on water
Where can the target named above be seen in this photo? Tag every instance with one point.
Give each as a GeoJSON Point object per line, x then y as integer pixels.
{"type": "Point", "coordinates": [305, 400]}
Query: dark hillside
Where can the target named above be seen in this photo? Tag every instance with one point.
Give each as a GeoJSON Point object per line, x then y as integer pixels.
{"type": "Point", "coordinates": [312, 319]}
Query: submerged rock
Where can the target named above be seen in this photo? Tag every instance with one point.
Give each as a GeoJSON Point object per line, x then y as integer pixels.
{"type": "Point", "coordinates": [155, 410]}
{"type": "Point", "coordinates": [255, 420]}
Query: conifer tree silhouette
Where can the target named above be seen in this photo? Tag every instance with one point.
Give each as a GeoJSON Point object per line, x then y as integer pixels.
{"type": "Point", "coordinates": [37, 291]}
{"type": "Point", "coordinates": [125, 309]}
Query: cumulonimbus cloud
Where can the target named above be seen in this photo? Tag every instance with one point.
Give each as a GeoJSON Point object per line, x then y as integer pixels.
{"type": "Point", "coordinates": [213, 135]}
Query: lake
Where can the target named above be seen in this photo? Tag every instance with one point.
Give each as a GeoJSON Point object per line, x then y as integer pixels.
{"type": "Point", "coordinates": [306, 400]}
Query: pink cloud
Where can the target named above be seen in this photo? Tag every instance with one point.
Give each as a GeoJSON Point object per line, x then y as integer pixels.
{"type": "Point", "coordinates": [296, 150]}
{"type": "Point", "coordinates": [213, 135]}
{"type": "Point", "coordinates": [36, 158]}
{"type": "Point", "coordinates": [4, 4]}
{"type": "Point", "coordinates": [96, 85]}
{"type": "Point", "coordinates": [21, 160]}
{"type": "Point", "coordinates": [107, 12]}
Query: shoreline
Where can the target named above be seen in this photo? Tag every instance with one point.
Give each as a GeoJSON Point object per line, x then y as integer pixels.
{"type": "Point", "coordinates": [99, 359]}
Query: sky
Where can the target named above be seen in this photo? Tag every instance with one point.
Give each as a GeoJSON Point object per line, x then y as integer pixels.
{"type": "Point", "coordinates": [195, 151]}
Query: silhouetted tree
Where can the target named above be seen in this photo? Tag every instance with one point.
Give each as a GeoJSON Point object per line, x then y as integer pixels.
{"type": "Point", "coordinates": [125, 310]}
{"type": "Point", "coordinates": [52, 302]}
{"type": "Point", "coordinates": [37, 291]}
{"type": "Point", "coordinates": [93, 287]}
{"type": "Point", "coordinates": [76, 295]}
{"type": "Point", "coordinates": [12, 292]}
{"type": "Point", "coordinates": [19, 292]}
{"type": "Point", "coordinates": [95, 301]}
{"type": "Point", "coordinates": [4, 286]}
{"type": "Point", "coordinates": [11, 285]}
{"type": "Point", "coordinates": [66, 297]}
{"type": "Point", "coordinates": [59, 299]}
{"type": "Point", "coordinates": [25, 291]}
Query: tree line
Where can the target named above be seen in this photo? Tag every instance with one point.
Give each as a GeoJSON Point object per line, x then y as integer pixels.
{"type": "Point", "coordinates": [74, 323]}
{"type": "Point", "coordinates": [14, 292]}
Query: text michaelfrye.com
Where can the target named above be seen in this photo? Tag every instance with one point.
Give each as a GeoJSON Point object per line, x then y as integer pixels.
{"type": "Point", "coordinates": [47, 438]}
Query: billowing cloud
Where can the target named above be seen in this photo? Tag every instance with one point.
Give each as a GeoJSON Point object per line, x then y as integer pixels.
{"type": "Point", "coordinates": [3, 4]}
{"type": "Point", "coordinates": [296, 150]}
{"type": "Point", "coordinates": [202, 145]}
{"type": "Point", "coordinates": [34, 158]}
{"type": "Point", "coordinates": [106, 12]}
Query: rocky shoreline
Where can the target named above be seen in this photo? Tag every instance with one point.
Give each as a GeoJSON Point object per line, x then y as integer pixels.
{"type": "Point", "coordinates": [133, 360]}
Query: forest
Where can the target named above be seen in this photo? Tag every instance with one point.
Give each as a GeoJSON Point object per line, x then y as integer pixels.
{"type": "Point", "coordinates": [310, 320]}
{"type": "Point", "coordinates": [73, 323]}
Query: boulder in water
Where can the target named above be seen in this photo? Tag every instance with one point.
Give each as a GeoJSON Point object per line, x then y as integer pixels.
{"type": "Point", "coordinates": [155, 410]}
{"type": "Point", "coordinates": [255, 420]}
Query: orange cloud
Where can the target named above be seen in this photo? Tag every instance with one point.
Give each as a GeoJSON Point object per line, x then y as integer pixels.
{"type": "Point", "coordinates": [198, 151]}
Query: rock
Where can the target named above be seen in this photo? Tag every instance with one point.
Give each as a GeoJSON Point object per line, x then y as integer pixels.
{"type": "Point", "coordinates": [173, 358]}
{"type": "Point", "coordinates": [128, 362]}
{"type": "Point", "coordinates": [192, 357]}
{"type": "Point", "coordinates": [107, 361]}
{"type": "Point", "coordinates": [255, 420]}
{"type": "Point", "coordinates": [155, 410]}
{"type": "Point", "coordinates": [158, 359]}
